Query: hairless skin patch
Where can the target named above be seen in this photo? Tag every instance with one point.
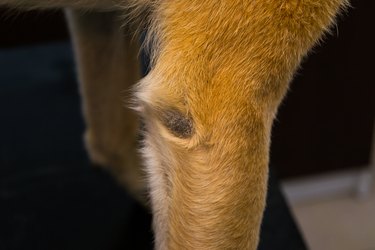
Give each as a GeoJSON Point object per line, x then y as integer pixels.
{"type": "Point", "coordinates": [177, 123]}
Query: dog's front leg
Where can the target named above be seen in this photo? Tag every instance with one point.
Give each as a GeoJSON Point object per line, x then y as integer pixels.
{"type": "Point", "coordinates": [221, 70]}
{"type": "Point", "coordinates": [108, 66]}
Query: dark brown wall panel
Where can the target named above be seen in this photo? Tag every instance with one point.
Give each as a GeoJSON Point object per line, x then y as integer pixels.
{"type": "Point", "coordinates": [23, 28]}
{"type": "Point", "coordinates": [325, 123]}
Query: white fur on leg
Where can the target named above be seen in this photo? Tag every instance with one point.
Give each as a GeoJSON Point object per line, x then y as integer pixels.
{"type": "Point", "coordinates": [158, 160]}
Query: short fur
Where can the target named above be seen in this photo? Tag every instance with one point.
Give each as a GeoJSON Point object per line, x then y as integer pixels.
{"type": "Point", "coordinates": [220, 70]}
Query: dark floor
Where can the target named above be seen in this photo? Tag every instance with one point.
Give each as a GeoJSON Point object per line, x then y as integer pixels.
{"type": "Point", "coordinates": [50, 196]}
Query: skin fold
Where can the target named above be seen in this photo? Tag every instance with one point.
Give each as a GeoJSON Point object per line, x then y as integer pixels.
{"type": "Point", "coordinates": [219, 72]}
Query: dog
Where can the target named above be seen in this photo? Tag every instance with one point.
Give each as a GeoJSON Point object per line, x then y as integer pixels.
{"type": "Point", "coordinates": [219, 70]}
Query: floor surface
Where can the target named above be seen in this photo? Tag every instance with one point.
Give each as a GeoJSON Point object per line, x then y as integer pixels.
{"type": "Point", "coordinates": [341, 223]}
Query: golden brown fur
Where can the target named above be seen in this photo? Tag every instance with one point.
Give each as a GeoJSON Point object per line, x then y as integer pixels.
{"type": "Point", "coordinates": [225, 64]}
{"type": "Point", "coordinates": [220, 70]}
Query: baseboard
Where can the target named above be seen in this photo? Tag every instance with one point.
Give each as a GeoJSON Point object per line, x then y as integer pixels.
{"type": "Point", "coordinates": [355, 182]}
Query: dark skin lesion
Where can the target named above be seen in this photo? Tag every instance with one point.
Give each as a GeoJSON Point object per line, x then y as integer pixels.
{"type": "Point", "coordinates": [178, 124]}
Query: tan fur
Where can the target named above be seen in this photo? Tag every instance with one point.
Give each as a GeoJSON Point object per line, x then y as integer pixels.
{"type": "Point", "coordinates": [225, 64]}
{"type": "Point", "coordinates": [220, 70]}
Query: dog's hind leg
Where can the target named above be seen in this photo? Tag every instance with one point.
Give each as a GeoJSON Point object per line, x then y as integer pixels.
{"type": "Point", "coordinates": [108, 66]}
